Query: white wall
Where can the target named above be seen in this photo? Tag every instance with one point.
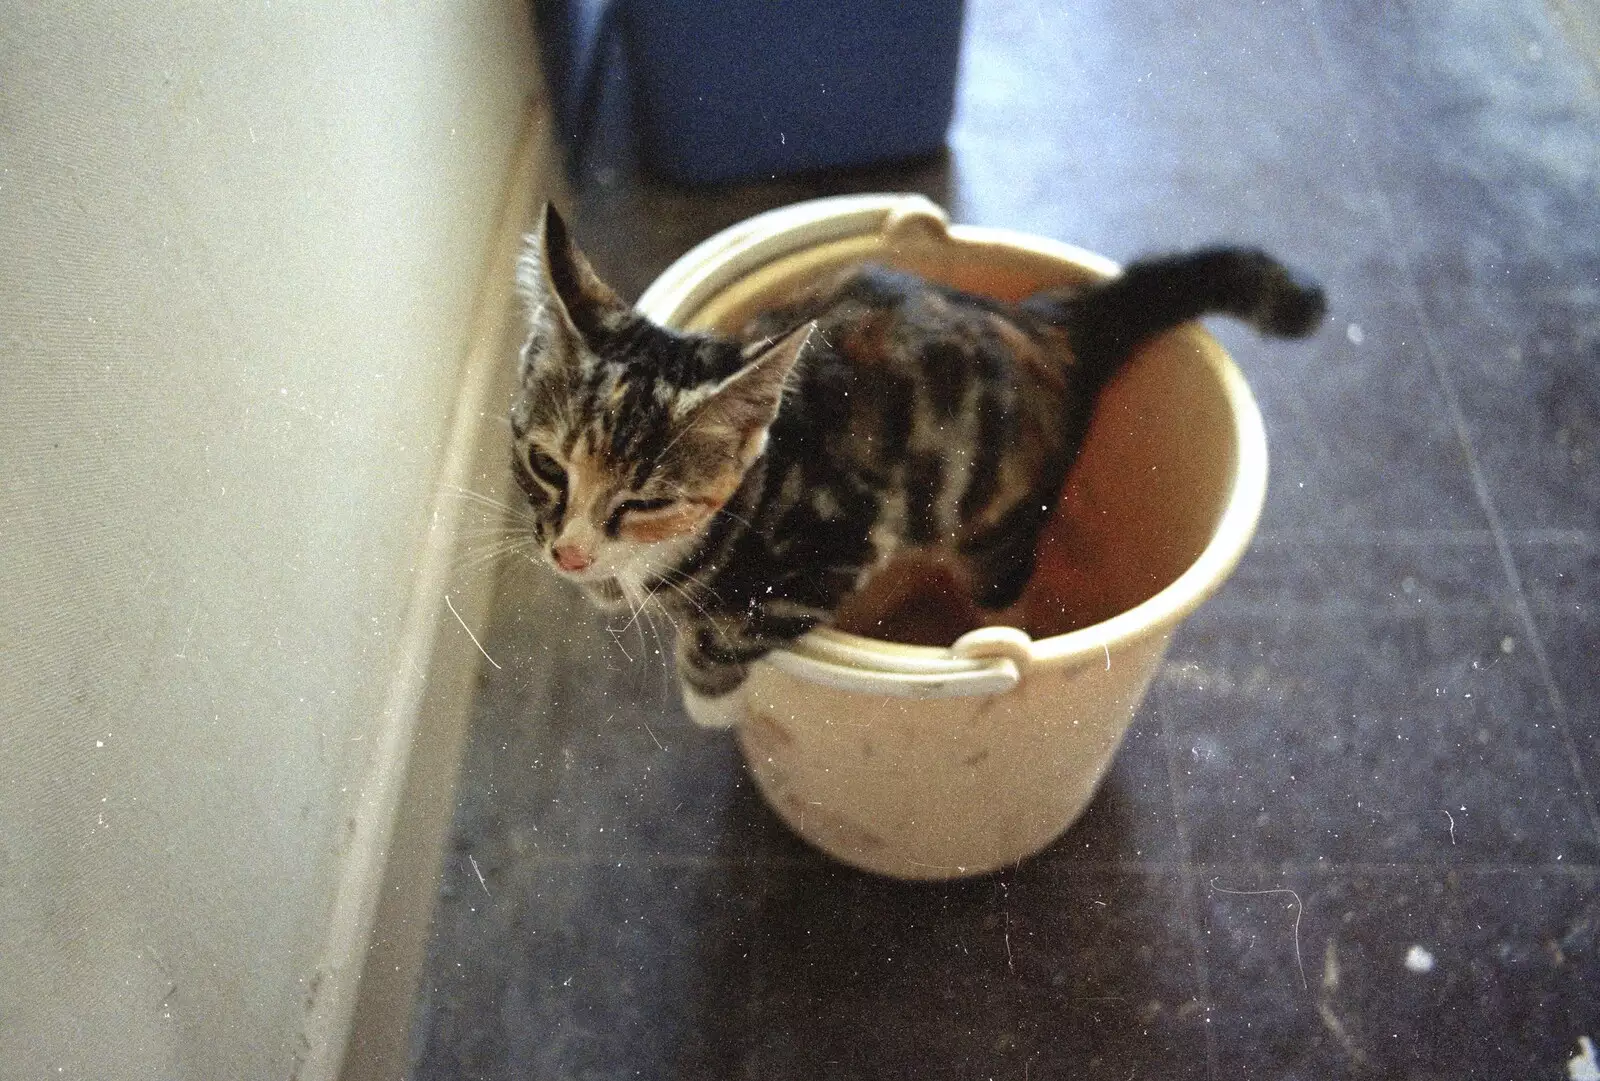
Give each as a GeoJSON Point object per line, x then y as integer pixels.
{"type": "Point", "coordinates": [240, 246]}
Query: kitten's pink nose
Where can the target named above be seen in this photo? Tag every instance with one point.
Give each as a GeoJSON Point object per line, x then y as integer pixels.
{"type": "Point", "coordinates": [570, 557]}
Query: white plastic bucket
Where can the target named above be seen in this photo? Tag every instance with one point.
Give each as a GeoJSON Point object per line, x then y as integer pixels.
{"type": "Point", "coordinates": [926, 762]}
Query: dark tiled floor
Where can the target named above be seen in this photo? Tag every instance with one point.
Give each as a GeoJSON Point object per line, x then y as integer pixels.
{"type": "Point", "coordinates": [1354, 830]}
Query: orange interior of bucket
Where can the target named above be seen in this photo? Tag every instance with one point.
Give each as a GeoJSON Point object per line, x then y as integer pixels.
{"type": "Point", "coordinates": [1140, 505]}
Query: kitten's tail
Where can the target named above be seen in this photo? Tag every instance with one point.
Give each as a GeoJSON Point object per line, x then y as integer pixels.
{"type": "Point", "coordinates": [1108, 320]}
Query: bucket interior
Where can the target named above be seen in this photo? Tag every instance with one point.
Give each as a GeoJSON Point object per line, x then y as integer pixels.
{"type": "Point", "coordinates": [1140, 505]}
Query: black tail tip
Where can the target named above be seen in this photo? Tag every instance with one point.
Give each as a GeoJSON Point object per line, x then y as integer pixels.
{"type": "Point", "coordinates": [1292, 305]}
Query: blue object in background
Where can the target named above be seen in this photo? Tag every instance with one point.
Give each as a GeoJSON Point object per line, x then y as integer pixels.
{"type": "Point", "coordinates": [577, 40]}
{"type": "Point", "coordinates": [737, 89]}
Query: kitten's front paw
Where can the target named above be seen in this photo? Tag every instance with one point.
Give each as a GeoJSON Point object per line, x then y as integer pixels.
{"type": "Point", "coordinates": [723, 711]}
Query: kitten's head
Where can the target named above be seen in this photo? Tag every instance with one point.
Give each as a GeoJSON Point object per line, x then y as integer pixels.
{"type": "Point", "coordinates": [628, 438]}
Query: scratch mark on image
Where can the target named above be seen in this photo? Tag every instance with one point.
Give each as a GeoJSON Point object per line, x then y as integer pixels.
{"type": "Point", "coordinates": [473, 860]}
{"type": "Point", "coordinates": [1299, 910]}
{"type": "Point", "coordinates": [485, 652]}
{"type": "Point", "coordinates": [1452, 819]}
{"type": "Point", "coordinates": [618, 640]}
{"type": "Point", "coordinates": [183, 650]}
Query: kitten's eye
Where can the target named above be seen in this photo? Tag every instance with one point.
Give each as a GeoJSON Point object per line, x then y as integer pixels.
{"type": "Point", "coordinates": [635, 506]}
{"type": "Point", "coordinates": [547, 468]}
{"type": "Point", "coordinates": [629, 505]}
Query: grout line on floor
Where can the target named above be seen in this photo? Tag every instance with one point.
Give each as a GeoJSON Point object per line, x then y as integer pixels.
{"type": "Point", "coordinates": [1422, 538]}
{"type": "Point", "coordinates": [689, 862]}
{"type": "Point", "coordinates": [1114, 867]}
{"type": "Point", "coordinates": [1480, 484]}
{"type": "Point", "coordinates": [1578, 869]}
{"type": "Point", "coordinates": [756, 974]}
{"type": "Point", "coordinates": [1190, 890]}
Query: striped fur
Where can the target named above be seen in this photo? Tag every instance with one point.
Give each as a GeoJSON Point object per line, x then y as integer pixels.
{"type": "Point", "coordinates": [749, 485]}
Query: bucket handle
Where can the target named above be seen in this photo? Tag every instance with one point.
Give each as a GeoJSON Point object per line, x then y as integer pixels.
{"type": "Point", "coordinates": [960, 679]}
{"type": "Point", "coordinates": [986, 661]}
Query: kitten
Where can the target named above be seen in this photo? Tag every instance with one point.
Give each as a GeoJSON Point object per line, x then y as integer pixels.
{"type": "Point", "coordinates": [750, 484]}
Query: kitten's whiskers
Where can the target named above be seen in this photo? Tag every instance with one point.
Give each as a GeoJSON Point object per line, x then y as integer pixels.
{"type": "Point", "coordinates": [475, 556]}
{"type": "Point", "coordinates": [520, 514]}
{"type": "Point", "coordinates": [685, 594]}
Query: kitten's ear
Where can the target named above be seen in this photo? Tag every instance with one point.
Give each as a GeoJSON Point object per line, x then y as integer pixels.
{"type": "Point", "coordinates": [747, 401]}
{"type": "Point", "coordinates": [552, 273]}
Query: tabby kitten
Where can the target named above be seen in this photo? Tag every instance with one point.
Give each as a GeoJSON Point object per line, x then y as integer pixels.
{"type": "Point", "coordinates": [750, 484]}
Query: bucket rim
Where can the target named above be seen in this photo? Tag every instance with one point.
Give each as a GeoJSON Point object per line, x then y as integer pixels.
{"type": "Point", "coordinates": [740, 250]}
